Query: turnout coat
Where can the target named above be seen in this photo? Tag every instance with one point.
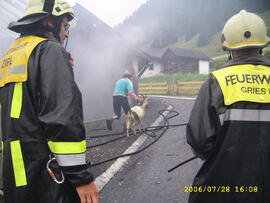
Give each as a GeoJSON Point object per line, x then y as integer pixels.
{"type": "Point", "coordinates": [41, 112]}
{"type": "Point", "coordinates": [229, 128]}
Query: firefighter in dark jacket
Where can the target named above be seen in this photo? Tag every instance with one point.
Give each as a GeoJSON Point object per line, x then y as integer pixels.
{"type": "Point", "coordinates": [44, 146]}
{"type": "Point", "coordinates": [229, 125]}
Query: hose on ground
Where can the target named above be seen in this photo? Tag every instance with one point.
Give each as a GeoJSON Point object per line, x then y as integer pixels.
{"type": "Point", "coordinates": [150, 131]}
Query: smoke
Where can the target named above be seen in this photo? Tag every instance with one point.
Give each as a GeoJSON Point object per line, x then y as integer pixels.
{"type": "Point", "coordinates": [160, 23]}
{"type": "Point", "coordinates": [138, 34]}
{"type": "Point", "coordinates": [101, 56]}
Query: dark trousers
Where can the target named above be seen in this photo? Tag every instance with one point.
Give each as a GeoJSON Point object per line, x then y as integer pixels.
{"type": "Point", "coordinates": [118, 102]}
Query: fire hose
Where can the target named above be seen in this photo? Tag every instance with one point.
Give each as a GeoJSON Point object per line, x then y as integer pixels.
{"type": "Point", "coordinates": [150, 131]}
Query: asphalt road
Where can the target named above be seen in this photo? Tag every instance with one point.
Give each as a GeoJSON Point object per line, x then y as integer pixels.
{"type": "Point", "coordinates": [145, 177]}
{"type": "Point", "coordinates": [97, 133]}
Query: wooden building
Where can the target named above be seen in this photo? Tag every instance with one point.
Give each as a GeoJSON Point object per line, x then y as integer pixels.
{"type": "Point", "coordinates": [174, 60]}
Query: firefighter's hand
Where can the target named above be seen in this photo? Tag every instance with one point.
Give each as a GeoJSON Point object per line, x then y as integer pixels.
{"type": "Point", "coordinates": [88, 193]}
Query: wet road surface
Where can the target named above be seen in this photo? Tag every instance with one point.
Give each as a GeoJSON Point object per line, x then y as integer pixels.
{"type": "Point", "coordinates": [145, 177]}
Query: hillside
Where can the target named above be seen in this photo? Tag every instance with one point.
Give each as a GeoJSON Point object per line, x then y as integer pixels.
{"type": "Point", "coordinates": [186, 24]}
{"type": "Point", "coordinates": [213, 48]}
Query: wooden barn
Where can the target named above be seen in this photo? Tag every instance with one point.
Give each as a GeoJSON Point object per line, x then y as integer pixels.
{"type": "Point", "coordinates": [174, 60]}
{"type": "Point", "coordinates": [185, 61]}
{"type": "Point", "coordinates": [156, 65]}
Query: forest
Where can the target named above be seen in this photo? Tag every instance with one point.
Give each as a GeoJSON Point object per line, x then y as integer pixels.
{"type": "Point", "coordinates": [163, 23]}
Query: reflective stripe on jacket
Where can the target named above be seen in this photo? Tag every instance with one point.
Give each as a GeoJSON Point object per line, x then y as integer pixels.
{"type": "Point", "coordinates": [232, 138]}
{"type": "Point", "coordinates": [43, 115]}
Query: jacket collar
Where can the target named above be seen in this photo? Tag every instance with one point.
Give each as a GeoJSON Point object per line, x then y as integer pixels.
{"type": "Point", "coordinates": [43, 34]}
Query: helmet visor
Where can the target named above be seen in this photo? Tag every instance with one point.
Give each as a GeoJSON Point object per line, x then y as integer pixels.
{"type": "Point", "coordinates": [72, 22]}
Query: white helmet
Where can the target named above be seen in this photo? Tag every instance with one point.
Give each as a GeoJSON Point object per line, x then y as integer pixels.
{"type": "Point", "coordinates": [39, 9]}
{"type": "Point", "coordinates": [244, 30]}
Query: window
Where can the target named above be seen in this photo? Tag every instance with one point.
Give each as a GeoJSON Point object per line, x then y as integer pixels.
{"type": "Point", "coordinates": [151, 66]}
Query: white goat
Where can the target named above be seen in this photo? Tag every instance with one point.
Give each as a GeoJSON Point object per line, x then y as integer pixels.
{"type": "Point", "coordinates": [135, 116]}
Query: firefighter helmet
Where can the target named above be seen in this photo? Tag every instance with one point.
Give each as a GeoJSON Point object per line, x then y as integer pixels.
{"type": "Point", "coordinates": [244, 30]}
{"type": "Point", "coordinates": [39, 9]}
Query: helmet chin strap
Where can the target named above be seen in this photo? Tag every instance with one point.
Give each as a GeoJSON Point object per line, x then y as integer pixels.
{"type": "Point", "coordinates": [66, 41]}
{"type": "Point", "coordinates": [230, 56]}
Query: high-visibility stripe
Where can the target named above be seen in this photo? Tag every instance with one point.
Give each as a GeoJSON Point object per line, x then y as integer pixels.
{"type": "Point", "coordinates": [14, 61]}
{"type": "Point", "coordinates": [16, 69]}
{"type": "Point", "coordinates": [67, 147]}
{"type": "Point", "coordinates": [245, 115]}
{"type": "Point", "coordinates": [248, 43]}
{"type": "Point", "coordinates": [70, 159]}
{"type": "Point", "coordinates": [18, 164]}
{"type": "Point", "coordinates": [16, 104]}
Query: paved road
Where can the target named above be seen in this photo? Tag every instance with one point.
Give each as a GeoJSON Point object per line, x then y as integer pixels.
{"type": "Point", "coordinates": [145, 178]}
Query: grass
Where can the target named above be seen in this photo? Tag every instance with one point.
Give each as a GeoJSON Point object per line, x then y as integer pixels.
{"type": "Point", "coordinates": [214, 48]}
{"type": "Point", "coordinates": [219, 61]}
{"type": "Point", "coordinates": [173, 78]}
{"type": "Point", "coordinates": [222, 57]}
{"type": "Point", "coordinates": [176, 77]}
{"type": "Point", "coordinates": [266, 17]}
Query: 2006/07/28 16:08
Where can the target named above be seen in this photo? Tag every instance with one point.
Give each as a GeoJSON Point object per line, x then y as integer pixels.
{"type": "Point", "coordinates": [220, 189]}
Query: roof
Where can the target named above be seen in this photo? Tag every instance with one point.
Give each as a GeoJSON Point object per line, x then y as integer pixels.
{"type": "Point", "coordinates": [95, 27]}
{"type": "Point", "coordinates": [190, 53]}
{"type": "Point", "coordinates": [88, 22]}
{"type": "Point", "coordinates": [10, 10]}
{"type": "Point", "coordinates": [154, 53]}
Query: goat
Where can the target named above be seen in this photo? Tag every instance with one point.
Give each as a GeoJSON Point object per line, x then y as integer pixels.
{"type": "Point", "coordinates": [135, 116]}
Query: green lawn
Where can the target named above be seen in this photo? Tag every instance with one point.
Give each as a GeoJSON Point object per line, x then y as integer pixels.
{"type": "Point", "coordinates": [173, 78]}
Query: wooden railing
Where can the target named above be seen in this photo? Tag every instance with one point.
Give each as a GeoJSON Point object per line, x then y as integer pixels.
{"type": "Point", "coordinates": [171, 88]}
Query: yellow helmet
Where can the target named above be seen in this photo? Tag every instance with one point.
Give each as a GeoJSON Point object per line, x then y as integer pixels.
{"type": "Point", "coordinates": [53, 7]}
{"type": "Point", "coordinates": [38, 9]}
{"type": "Point", "coordinates": [244, 30]}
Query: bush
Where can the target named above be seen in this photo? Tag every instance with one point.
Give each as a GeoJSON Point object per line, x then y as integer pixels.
{"type": "Point", "coordinates": [266, 52]}
{"type": "Point", "coordinates": [218, 62]}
